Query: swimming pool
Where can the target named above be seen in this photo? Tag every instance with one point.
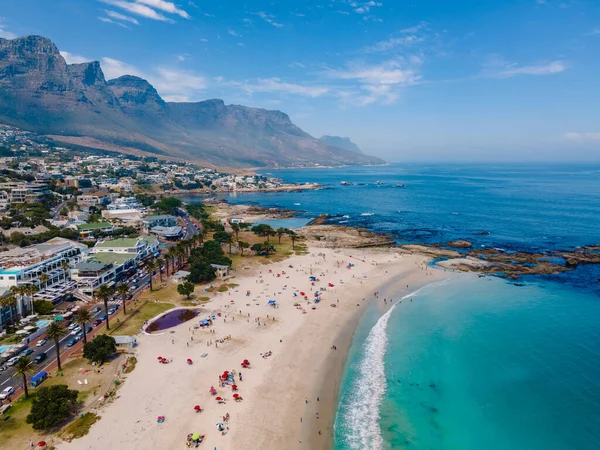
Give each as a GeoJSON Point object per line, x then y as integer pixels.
{"type": "Point", "coordinates": [42, 323]}
{"type": "Point", "coordinates": [3, 348]}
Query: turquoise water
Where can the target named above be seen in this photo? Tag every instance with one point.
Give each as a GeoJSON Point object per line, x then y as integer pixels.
{"type": "Point", "coordinates": [476, 364]}
{"type": "Point", "coordinates": [42, 323]}
{"type": "Point", "coordinates": [3, 348]}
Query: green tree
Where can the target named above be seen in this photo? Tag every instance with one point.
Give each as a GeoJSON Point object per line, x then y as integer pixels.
{"type": "Point", "coordinates": [168, 205]}
{"type": "Point", "coordinates": [280, 232]}
{"type": "Point", "coordinates": [221, 236]}
{"type": "Point", "coordinates": [151, 266]}
{"type": "Point", "coordinates": [186, 288]}
{"type": "Point", "coordinates": [257, 248]}
{"type": "Point", "coordinates": [52, 406]}
{"type": "Point", "coordinates": [42, 307]}
{"type": "Point", "coordinates": [55, 331]}
{"type": "Point", "coordinates": [64, 211]}
{"type": "Point", "coordinates": [44, 278]}
{"type": "Point", "coordinates": [293, 237]}
{"type": "Point", "coordinates": [104, 293]}
{"type": "Point", "coordinates": [122, 290]}
{"type": "Point", "coordinates": [236, 229]}
{"type": "Point", "coordinates": [242, 245]}
{"type": "Point", "coordinates": [100, 349]}
{"type": "Point", "coordinates": [83, 317]}
{"type": "Point", "coordinates": [160, 262]}
{"type": "Point", "coordinates": [24, 367]}
{"type": "Point", "coordinates": [201, 272]}
{"type": "Point", "coordinates": [263, 230]}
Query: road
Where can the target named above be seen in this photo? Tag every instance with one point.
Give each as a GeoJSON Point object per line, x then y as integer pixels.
{"type": "Point", "coordinates": [190, 227]}
{"type": "Point", "coordinates": [9, 378]}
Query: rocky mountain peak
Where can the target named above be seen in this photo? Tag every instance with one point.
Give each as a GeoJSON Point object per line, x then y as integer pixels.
{"type": "Point", "coordinates": [137, 95]}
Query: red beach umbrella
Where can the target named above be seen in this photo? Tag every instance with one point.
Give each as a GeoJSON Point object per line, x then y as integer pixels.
{"type": "Point", "coordinates": [42, 444]}
{"type": "Point", "coordinates": [246, 361]}
{"type": "Point", "coordinates": [197, 408]}
{"type": "Point", "coordinates": [234, 387]}
{"type": "Point", "coordinates": [159, 358]}
{"type": "Point", "coordinates": [236, 395]}
{"type": "Point", "coordinates": [218, 398]}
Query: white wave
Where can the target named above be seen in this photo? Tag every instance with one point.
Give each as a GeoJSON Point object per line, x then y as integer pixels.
{"type": "Point", "coordinates": [366, 214]}
{"type": "Point", "coordinates": [362, 410]}
{"type": "Point", "coordinates": [346, 216]}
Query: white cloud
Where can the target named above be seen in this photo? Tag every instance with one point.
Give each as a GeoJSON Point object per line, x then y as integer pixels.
{"type": "Point", "coordinates": [183, 57]}
{"type": "Point", "coordinates": [6, 34]}
{"type": "Point", "coordinates": [165, 6]}
{"type": "Point", "coordinates": [583, 138]}
{"type": "Point", "coordinates": [234, 33]}
{"type": "Point", "coordinates": [269, 18]}
{"type": "Point", "coordinates": [379, 83]}
{"type": "Point", "coordinates": [114, 22]}
{"type": "Point", "coordinates": [122, 17]}
{"type": "Point", "coordinates": [392, 43]}
{"type": "Point", "coordinates": [113, 68]}
{"type": "Point", "coordinates": [277, 85]}
{"type": "Point", "coordinates": [137, 9]}
{"type": "Point", "coordinates": [594, 32]}
{"type": "Point", "coordinates": [70, 58]}
{"type": "Point", "coordinates": [414, 29]}
{"type": "Point", "coordinates": [496, 67]}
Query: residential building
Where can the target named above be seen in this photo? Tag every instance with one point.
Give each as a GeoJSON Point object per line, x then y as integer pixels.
{"type": "Point", "coordinates": [93, 199]}
{"type": "Point", "coordinates": [88, 229]}
{"type": "Point", "coordinates": [140, 247]}
{"type": "Point", "coordinates": [91, 274]}
{"type": "Point", "coordinates": [160, 221]}
{"type": "Point", "coordinates": [26, 265]}
{"type": "Point", "coordinates": [25, 230]}
{"type": "Point", "coordinates": [171, 233]}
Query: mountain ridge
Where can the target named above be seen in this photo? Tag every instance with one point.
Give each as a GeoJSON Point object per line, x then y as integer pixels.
{"type": "Point", "coordinates": [40, 92]}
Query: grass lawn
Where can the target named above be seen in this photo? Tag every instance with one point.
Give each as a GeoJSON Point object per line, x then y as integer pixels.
{"type": "Point", "coordinates": [80, 427]}
{"type": "Point", "coordinates": [14, 432]}
{"type": "Point", "coordinates": [134, 321]}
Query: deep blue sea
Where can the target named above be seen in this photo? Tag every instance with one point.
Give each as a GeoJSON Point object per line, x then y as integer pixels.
{"type": "Point", "coordinates": [472, 363]}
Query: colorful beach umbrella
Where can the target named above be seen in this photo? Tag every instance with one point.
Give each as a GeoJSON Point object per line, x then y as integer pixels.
{"type": "Point", "coordinates": [196, 436]}
{"type": "Point", "coordinates": [197, 408]}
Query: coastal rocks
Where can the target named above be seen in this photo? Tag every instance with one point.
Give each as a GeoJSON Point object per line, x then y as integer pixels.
{"type": "Point", "coordinates": [461, 243]}
{"type": "Point", "coordinates": [333, 236]}
{"type": "Point", "coordinates": [571, 262]}
{"type": "Point", "coordinates": [482, 233]}
{"type": "Point", "coordinates": [434, 252]}
{"type": "Point", "coordinates": [469, 264]}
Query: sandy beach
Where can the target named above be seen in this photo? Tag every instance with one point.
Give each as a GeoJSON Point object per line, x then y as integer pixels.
{"type": "Point", "coordinates": [280, 392]}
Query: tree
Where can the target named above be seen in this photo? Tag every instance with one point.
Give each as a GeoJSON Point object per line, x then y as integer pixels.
{"type": "Point", "coordinates": [263, 230]}
{"type": "Point", "coordinates": [83, 317]}
{"type": "Point", "coordinates": [104, 293]}
{"type": "Point", "coordinates": [293, 237]}
{"type": "Point", "coordinates": [64, 211]}
{"type": "Point", "coordinates": [10, 300]}
{"type": "Point", "coordinates": [210, 252]}
{"type": "Point", "coordinates": [201, 272]}
{"type": "Point", "coordinates": [44, 278]}
{"type": "Point", "coordinates": [159, 263]}
{"type": "Point", "coordinates": [100, 349]}
{"type": "Point", "coordinates": [257, 248]}
{"type": "Point", "coordinates": [242, 245]}
{"type": "Point", "coordinates": [168, 205]}
{"type": "Point", "coordinates": [64, 265]}
{"type": "Point", "coordinates": [186, 288]}
{"type": "Point", "coordinates": [122, 290]}
{"type": "Point", "coordinates": [236, 229]}
{"type": "Point", "coordinates": [221, 236]}
{"type": "Point", "coordinates": [280, 232]}
{"type": "Point", "coordinates": [55, 331]}
{"type": "Point", "coordinates": [151, 266]}
{"type": "Point", "coordinates": [24, 367]}
{"type": "Point", "coordinates": [42, 307]}
{"type": "Point", "coordinates": [52, 406]}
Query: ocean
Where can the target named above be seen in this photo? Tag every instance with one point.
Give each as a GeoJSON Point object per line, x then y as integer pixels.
{"type": "Point", "coordinates": [471, 363]}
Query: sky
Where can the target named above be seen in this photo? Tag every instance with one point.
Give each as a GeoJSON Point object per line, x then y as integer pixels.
{"type": "Point", "coordinates": [407, 80]}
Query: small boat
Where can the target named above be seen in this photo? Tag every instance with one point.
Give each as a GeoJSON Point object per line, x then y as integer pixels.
{"type": "Point", "coordinates": [378, 183]}
{"type": "Point", "coordinates": [346, 183]}
{"type": "Point", "coordinates": [399, 185]}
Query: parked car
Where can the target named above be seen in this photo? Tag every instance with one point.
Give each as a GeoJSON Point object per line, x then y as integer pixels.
{"type": "Point", "coordinates": [96, 309]}
{"type": "Point", "coordinates": [41, 343]}
{"type": "Point", "coordinates": [103, 317]}
{"type": "Point", "coordinates": [111, 311]}
{"type": "Point", "coordinates": [40, 357]}
{"type": "Point", "coordinates": [73, 325]}
{"type": "Point", "coordinates": [88, 329]}
{"type": "Point", "coordinates": [28, 352]}
{"type": "Point", "coordinates": [96, 323]}
{"type": "Point", "coordinates": [7, 392]}
{"type": "Point", "coordinates": [73, 341]}
{"type": "Point", "coordinates": [12, 361]}
{"type": "Point", "coordinates": [76, 331]}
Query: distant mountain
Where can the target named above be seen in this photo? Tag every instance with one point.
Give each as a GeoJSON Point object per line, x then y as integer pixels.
{"type": "Point", "coordinates": [74, 103]}
{"type": "Point", "coordinates": [341, 142]}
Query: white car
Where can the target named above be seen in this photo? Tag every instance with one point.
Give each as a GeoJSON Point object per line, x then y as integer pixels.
{"type": "Point", "coordinates": [73, 325]}
{"type": "Point", "coordinates": [41, 343]}
{"type": "Point", "coordinates": [12, 361]}
{"type": "Point", "coordinates": [7, 392]}
{"type": "Point", "coordinates": [76, 331]}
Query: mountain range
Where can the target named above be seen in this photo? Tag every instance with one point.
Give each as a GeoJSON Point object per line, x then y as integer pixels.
{"type": "Point", "coordinates": [74, 103]}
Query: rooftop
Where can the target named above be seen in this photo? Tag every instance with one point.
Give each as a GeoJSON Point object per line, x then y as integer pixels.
{"type": "Point", "coordinates": [34, 254]}
{"type": "Point", "coordinates": [109, 257]}
{"type": "Point", "coordinates": [93, 226]}
{"type": "Point", "coordinates": [91, 265]}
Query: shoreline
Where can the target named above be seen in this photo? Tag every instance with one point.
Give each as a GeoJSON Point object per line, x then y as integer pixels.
{"type": "Point", "coordinates": [302, 365]}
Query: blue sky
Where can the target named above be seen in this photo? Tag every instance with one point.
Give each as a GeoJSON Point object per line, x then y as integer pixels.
{"type": "Point", "coordinates": [406, 80]}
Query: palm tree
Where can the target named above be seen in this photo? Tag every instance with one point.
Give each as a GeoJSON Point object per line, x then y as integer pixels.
{"type": "Point", "coordinates": [23, 367]}
{"type": "Point", "coordinates": [9, 300]}
{"type": "Point", "coordinates": [104, 293]}
{"type": "Point", "coordinates": [83, 317]}
{"type": "Point", "coordinates": [293, 236]}
{"type": "Point", "coordinates": [55, 331]}
{"type": "Point", "coordinates": [236, 229]}
{"type": "Point", "coordinates": [151, 266]}
{"type": "Point", "coordinates": [44, 278]}
{"type": "Point", "coordinates": [230, 240]}
{"type": "Point", "coordinates": [64, 265]}
{"type": "Point", "coordinates": [30, 289]}
{"type": "Point", "coordinates": [242, 245]}
{"type": "Point", "coordinates": [123, 289]}
{"type": "Point", "coordinates": [280, 232]}
{"type": "Point", "coordinates": [160, 262]}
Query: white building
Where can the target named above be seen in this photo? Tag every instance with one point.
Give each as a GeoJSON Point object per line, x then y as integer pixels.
{"type": "Point", "coordinates": [140, 247]}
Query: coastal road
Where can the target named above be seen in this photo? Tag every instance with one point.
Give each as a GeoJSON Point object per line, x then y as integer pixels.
{"type": "Point", "coordinates": [9, 378]}
{"type": "Point", "coordinates": [190, 227]}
